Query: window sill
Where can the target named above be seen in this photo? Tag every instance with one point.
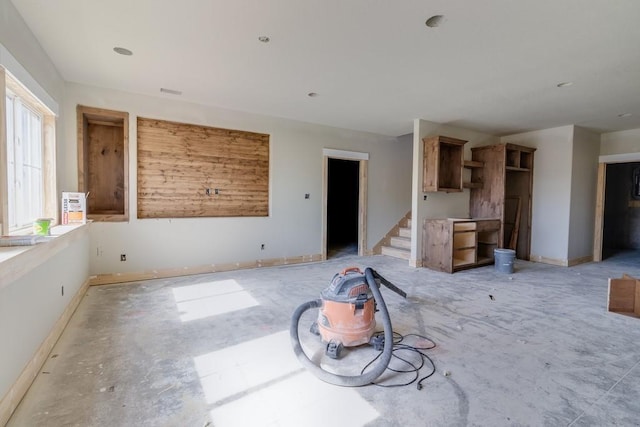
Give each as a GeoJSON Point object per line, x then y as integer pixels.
{"type": "Point", "coordinates": [16, 261]}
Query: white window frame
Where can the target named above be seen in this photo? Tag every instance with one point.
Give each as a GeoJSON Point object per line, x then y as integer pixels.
{"type": "Point", "coordinates": [12, 88]}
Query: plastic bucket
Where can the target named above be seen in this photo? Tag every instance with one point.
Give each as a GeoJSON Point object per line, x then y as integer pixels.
{"type": "Point", "coordinates": [504, 260]}
{"type": "Point", "coordinates": [41, 226]}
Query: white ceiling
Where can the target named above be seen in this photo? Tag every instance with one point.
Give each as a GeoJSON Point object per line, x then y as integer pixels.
{"type": "Point", "coordinates": [492, 66]}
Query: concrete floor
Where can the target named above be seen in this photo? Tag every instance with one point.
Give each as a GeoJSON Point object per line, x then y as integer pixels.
{"type": "Point", "coordinates": [536, 348]}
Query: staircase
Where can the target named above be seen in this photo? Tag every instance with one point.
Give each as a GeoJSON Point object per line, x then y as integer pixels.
{"type": "Point", "coordinates": [397, 243]}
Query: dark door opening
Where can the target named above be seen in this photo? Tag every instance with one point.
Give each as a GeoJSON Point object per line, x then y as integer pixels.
{"type": "Point", "coordinates": [621, 228]}
{"type": "Point", "coordinates": [342, 207]}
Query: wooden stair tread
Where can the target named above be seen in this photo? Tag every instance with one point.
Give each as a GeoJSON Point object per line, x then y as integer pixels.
{"type": "Point", "coordinates": [404, 232]}
{"type": "Point", "coordinates": [396, 252]}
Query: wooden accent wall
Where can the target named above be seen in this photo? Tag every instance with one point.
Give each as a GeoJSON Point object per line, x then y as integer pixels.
{"type": "Point", "coordinates": [187, 170]}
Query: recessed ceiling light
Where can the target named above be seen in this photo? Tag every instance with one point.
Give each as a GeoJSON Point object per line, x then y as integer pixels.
{"type": "Point", "coordinates": [264, 39]}
{"type": "Point", "coordinates": [312, 94]}
{"type": "Point", "coordinates": [435, 21]}
{"type": "Point", "coordinates": [564, 84]}
{"type": "Point", "coordinates": [122, 51]}
{"type": "Point", "coordinates": [170, 91]}
{"type": "Point", "coordinates": [624, 115]}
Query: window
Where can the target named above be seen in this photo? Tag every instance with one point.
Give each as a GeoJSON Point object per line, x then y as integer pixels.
{"type": "Point", "coordinates": [24, 163]}
{"type": "Point", "coordinates": [28, 159]}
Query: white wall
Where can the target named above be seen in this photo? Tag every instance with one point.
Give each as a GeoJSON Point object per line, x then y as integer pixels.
{"type": "Point", "coordinates": [621, 142]}
{"type": "Point", "coordinates": [23, 46]}
{"type": "Point", "coordinates": [551, 189]}
{"type": "Point", "coordinates": [30, 306]}
{"type": "Point", "coordinates": [584, 180]}
{"type": "Point", "coordinates": [438, 205]}
{"type": "Point", "coordinates": [293, 227]}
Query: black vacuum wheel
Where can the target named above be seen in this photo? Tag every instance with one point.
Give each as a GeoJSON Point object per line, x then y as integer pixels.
{"type": "Point", "coordinates": [334, 349]}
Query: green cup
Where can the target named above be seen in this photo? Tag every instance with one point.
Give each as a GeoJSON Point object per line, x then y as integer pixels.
{"type": "Point", "coordinates": [41, 226]}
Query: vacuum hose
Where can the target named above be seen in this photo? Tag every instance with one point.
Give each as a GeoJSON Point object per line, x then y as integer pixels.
{"type": "Point", "coordinates": [347, 380]}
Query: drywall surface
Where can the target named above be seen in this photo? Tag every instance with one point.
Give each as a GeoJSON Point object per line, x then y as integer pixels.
{"type": "Point", "coordinates": [30, 306]}
{"type": "Point", "coordinates": [584, 180]}
{"type": "Point", "coordinates": [20, 42]}
{"type": "Point", "coordinates": [22, 55]}
{"type": "Point", "coordinates": [438, 205]}
{"type": "Point", "coordinates": [293, 227]}
{"type": "Point", "coordinates": [551, 189]}
{"type": "Point", "coordinates": [622, 142]}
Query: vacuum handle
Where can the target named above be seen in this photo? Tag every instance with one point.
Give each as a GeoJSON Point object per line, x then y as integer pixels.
{"type": "Point", "coordinates": [388, 284]}
{"type": "Point", "coordinates": [350, 269]}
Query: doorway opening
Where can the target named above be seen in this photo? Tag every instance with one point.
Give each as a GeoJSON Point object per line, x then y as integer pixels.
{"type": "Point", "coordinates": [621, 219]}
{"type": "Point", "coordinates": [343, 199]}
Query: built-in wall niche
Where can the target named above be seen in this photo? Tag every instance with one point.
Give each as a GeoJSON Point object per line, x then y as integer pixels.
{"type": "Point", "coordinates": [103, 162]}
{"type": "Point", "coordinates": [187, 170]}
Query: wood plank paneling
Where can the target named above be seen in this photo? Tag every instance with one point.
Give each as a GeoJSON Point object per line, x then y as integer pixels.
{"type": "Point", "coordinates": [106, 176]}
{"type": "Point", "coordinates": [187, 170]}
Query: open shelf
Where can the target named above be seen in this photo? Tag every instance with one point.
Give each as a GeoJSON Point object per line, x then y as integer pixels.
{"type": "Point", "coordinates": [471, 164]}
{"type": "Point", "coordinates": [103, 162]}
{"type": "Point", "coordinates": [476, 171]}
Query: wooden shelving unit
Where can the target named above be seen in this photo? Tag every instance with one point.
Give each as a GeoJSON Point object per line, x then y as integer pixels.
{"type": "Point", "coordinates": [454, 244]}
{"type": "Point", "coordinates": [507, 178]}
{"type": "Point", "coordinates": [443, 164]}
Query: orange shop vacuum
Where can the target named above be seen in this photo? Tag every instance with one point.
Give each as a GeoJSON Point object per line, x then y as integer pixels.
{"type": "Point", "coordinates": [346, 318]}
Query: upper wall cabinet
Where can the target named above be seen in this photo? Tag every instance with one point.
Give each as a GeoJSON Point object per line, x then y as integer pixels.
{"type": "Point", "coordinates": [443, 164]}
{"type": "Point", "coordinates": [103, 162]}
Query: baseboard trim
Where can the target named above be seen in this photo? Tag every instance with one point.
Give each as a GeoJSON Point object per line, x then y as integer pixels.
{"type": "Point", "coordinates": [581, 260]}
{"type": "Point", "coordinates": [561, 262]}
{"type": "Point", "coordinates": [417, 263]}
{"type": "Point", "coordinates": [109, 279]}
{"type": "Point", "coordinates": [12, 398]}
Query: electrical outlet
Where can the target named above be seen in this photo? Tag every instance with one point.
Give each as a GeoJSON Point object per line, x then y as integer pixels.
{"type": "Point", "coordinates": [123, 257]}
{"type": "Point", "coordinates": [307, 195]}
{"type": "Point", "coordinates": [217, 191]}
{"type": "Point", "coordinates": [424, 197]}
{"type": "Point", "coordinates": [262, 247]}
{"type": "Point", "coordinates": [207, 191]}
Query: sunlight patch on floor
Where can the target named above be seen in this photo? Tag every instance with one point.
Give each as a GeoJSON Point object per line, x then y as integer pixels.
{"type": "Point", "coordinates": [260, 382]}
{"type": "Point", "coordinates": [236, 369]}
{"type": "Point", "coordinates": [301, 400]}
{"type": "Point", "coordinates": [210, 299]}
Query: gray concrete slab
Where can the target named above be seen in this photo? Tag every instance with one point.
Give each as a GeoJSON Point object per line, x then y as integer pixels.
{"type": "Point", "coordinates": [532, 348]}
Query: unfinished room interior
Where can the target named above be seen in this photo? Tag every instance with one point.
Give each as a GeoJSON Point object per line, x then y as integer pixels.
{"type": "Point", "coordinates": [309, 213]}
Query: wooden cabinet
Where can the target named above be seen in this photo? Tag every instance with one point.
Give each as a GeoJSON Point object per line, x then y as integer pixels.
{"type": "Point", "coordinates": [443, 164]}
{"type": "Point", "coordinates": [505, 193]}
{"type": "Point", "coordinates": [103, 162]}
{"type": "Point", "coordinates": [454, 244]}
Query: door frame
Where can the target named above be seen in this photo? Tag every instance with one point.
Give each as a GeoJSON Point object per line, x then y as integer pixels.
{"type": "Point", "coordinates": [363, 161]}
{"type": "Point", "coordinates": [600, 196]}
